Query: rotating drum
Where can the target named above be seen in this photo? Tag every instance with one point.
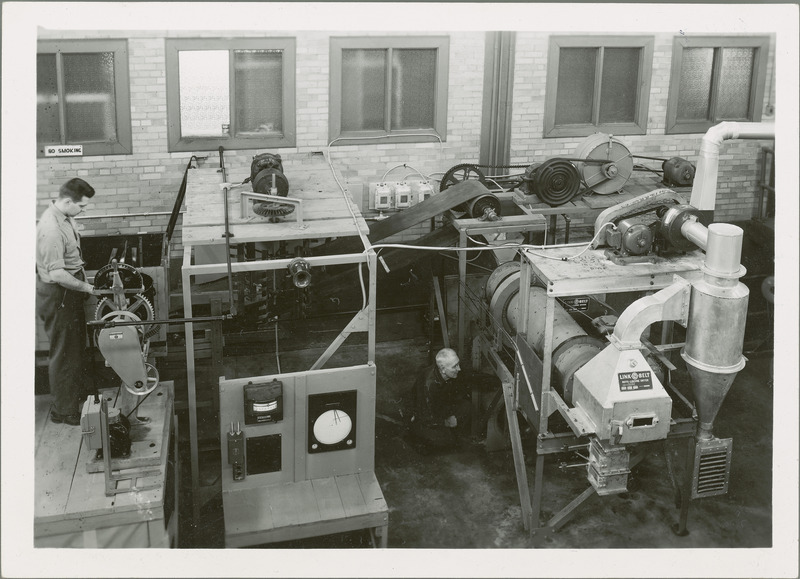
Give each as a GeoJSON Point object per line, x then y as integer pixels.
{"type": "Point", "coordinates": [615, 170]}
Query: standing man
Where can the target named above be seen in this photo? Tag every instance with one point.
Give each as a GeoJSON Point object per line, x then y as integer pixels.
{"type": "Point", "coordinates": [441, 410]}
{"type": "Point", "coordinates": [61, 289]}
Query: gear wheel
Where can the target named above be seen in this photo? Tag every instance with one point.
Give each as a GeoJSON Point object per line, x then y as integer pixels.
{"type": "Point", "coordinates": [461, 173]}
{"type": "Point", "coordinates": [272, 209]}
{"type": "Point", "coordinates": [138, 305]}
{"type": "Point", "coordinates": [129, 275]}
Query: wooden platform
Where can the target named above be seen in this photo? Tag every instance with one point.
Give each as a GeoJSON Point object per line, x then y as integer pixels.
{"type": "Point", "coordinates": [325, 207]}
{"type": "Point", "coordinates": [71, 508]}
{"type": "Point", "coordinates": [311, 508]}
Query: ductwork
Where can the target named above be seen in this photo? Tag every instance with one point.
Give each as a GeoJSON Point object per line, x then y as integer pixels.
{"type": "Point", "coordinates": [704, 191]}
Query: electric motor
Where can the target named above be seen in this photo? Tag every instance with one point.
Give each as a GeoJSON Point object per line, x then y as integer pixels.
{"type": "Point", "coordinates": [266, 175]}
{"type": "Point", "coordinates": [678, 171]}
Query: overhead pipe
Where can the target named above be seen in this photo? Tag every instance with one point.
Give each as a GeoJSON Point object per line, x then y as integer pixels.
{"type": "Point", "coordinates": [704, 191]}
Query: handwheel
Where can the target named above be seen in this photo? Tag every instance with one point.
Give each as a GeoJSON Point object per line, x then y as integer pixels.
{"type": "Point", "coordinates": [152, 382]}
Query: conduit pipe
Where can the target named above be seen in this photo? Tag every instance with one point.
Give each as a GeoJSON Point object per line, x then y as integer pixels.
{"type": "Point", "coordinates": [704, 191]}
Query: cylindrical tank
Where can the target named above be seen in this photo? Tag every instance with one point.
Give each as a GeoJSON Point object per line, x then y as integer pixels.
{"type": "Point", "coordinates": [716, 325]}
{"type": "Point", "coordinates": [572, 347]}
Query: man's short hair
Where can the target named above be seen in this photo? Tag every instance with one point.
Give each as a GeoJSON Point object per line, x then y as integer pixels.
{"type": "Point", "coordinates": [76, 189]}
{"type": "Point", "coordinates": [445, 355]}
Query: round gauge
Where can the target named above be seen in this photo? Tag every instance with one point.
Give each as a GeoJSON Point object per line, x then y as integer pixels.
{"type": "Point", "coordinates": [332, 426]}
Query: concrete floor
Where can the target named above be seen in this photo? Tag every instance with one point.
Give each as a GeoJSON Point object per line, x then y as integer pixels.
{"type": "Point", "coordinates": [468, 498]}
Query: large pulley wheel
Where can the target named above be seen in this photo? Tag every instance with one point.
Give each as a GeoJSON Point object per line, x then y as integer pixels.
{"type": "Point", "coordinates": [131, 278]}
{"type": "Point", "coordinates": [139, 309]}
{"type": "Point", "coordinates": [611, 163]}
{"type": "Point", "coordinates": [142, 389]}
{"type": "Point", "coordinates": [555, 181]}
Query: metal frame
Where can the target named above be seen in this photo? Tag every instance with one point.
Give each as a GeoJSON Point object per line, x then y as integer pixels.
{"type": "Point", "coordinates": [363, 321]}
{"type": "Point", "coordinates": [467, 227]}
{"type": "Point", "coordinates": [542, 403]}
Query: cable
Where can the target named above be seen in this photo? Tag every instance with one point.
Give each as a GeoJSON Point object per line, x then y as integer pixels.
{"type": "Point", "coordinates": [277, 355]}
{"type": "Point", "coordinates": [407, 167]}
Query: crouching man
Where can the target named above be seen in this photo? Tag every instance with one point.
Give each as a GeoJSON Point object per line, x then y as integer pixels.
{"type": "Point", "coordinates": [441, 406]}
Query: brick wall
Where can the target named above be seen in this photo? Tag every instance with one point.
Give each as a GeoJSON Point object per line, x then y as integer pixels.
{"type": "Point", "coordinates": [148, 180]}
{"type": "Point", "coordinates": [740, 160]}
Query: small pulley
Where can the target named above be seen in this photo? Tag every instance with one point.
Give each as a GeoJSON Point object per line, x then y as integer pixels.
{"type": "Point", "coordinates": [608, 166]}
{"type": "Point", "coordinates": [555, 181]}
{"type": "Point", "coordinates": [484, 207]}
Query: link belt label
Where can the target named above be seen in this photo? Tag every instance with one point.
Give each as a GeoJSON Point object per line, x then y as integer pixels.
{"type": "Point", "coordinates": [630, 381]}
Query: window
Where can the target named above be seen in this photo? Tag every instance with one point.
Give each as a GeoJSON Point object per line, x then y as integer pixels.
{"type": "Point", "coordinates": [385, 88]}
{"type": "Point", "coordinates": [597, 84]}
{"type": "Point", "coordinates": [234, 93]}
{"type": "Point", "coordinates": [82, 96]}
{"type": "Point", "coordinates": [715, 79]}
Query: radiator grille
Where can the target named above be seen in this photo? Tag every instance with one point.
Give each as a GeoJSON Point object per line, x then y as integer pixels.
{"type": "Point", "coordinates": [712, 466]}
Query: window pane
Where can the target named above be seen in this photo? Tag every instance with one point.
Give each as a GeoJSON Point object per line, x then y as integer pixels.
{"type": "Point", "coordinates": [89, 98]}
{"type": "Point", "coordinates": [258, 81]}
{"type": "Point", "coordinates": [413, 88]}
{"type": "Point", "coordinates": [363, 89]}
{"type": "Point", "coordinates": [47, 130]}
{"type": "Point", "coordinates": [204, 93]}
{"type": "Point", "coordinates": [575, 90]}
{"type": "Point", "coordinates": [694, 94]}
{"type": "Point", "coordinates": [736, 73]}
{"type": "Point", "coordinates": [620, 81]}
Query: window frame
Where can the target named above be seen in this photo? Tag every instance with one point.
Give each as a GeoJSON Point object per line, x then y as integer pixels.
{"type": "Point", "coordinates": [177, 143]}
{"type": "Point", "coordinates": [639, 124]}
{"type": "Point", "coordinates": [339, 43]}
{"type": "Point", "coordinates": [123, 144]}
{"type": "Point", "coordinates": [757, 84]}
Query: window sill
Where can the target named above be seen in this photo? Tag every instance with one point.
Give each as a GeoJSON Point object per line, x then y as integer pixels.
{"type": "Point", "coordinates": [231, 143]}
{"type": "Point", "coordinates": [429, 136]}
{"type": "Point", "coordinates": [587, 130]}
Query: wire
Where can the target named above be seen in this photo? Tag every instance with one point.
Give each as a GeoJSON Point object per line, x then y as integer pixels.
{"type": "Point", "coordinates": [407, 167]}
{"type": "Point", "coordinates": [277, 355]}
{"type": "Point", "coordinates": [570, 257]}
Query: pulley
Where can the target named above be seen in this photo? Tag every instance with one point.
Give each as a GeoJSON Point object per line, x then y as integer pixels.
{"type": "Point", "coordinates": [485, 207]}
{"type": "Point", "coordinates": [555, 181]}
{"type": "Point", "coordinates": [611, 166]}
{"type": "Point", "coordinates": [138, 306]}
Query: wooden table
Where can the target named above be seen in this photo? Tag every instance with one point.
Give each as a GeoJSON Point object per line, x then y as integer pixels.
{"type": "Point", "coordinates": [327, 211]}
{"type": "Point", "coordinates": [298, 510]}
{"type": "Point", "coordinates": [71, 508]}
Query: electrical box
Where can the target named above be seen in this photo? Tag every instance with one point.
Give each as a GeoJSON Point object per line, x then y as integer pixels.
{"type": "Point", "coordinates": [384, 196]}
{"type": "Point", "coordinates": [402, 195]}
{"type": "Point", "coordinates": [421, 190]}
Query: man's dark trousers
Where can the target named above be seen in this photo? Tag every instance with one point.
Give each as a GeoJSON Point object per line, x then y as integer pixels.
{"type": "Point", "coordinates": [61, 310]}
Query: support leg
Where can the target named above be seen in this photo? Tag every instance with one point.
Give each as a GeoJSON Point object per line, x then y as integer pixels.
{"type": "Point", "coordinates": [686, 491]}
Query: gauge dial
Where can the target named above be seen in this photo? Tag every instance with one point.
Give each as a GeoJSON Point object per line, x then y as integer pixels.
{"type": "Point", "coordinates": [332, 426]}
